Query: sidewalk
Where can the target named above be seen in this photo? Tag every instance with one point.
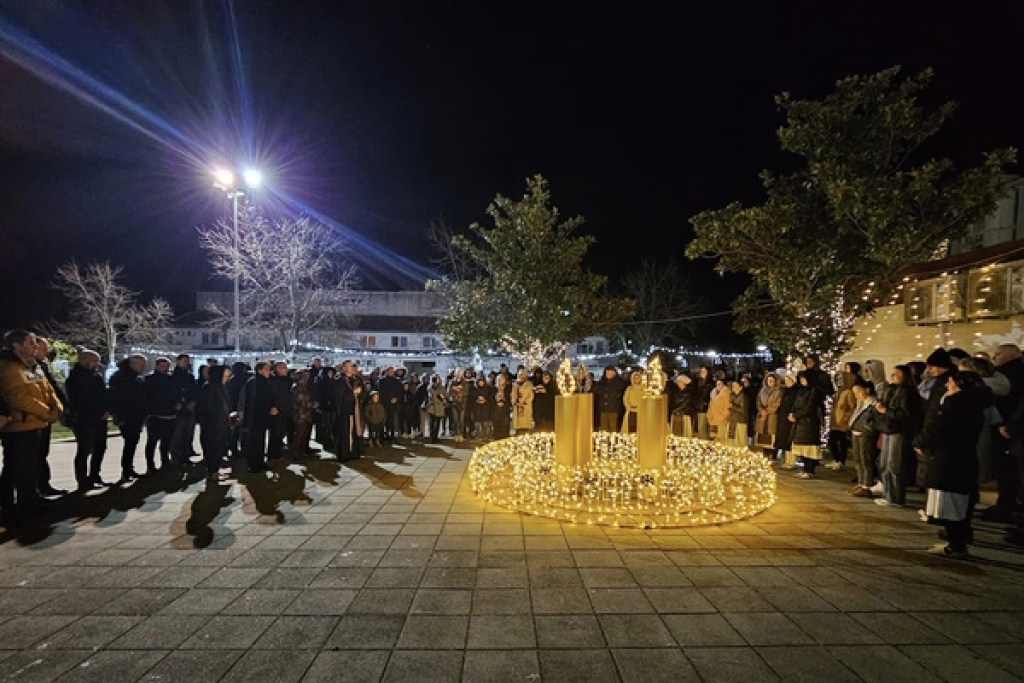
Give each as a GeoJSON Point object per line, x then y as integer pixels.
{"type": "Point", "coordinates": [390, 569]}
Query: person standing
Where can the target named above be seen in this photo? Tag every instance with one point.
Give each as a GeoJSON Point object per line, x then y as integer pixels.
{"type": "Point", "coordinates": [705, 385]}
{"type": "Point", "coordinates": [214, 414]}
{"type": "Point", "coordinates": [784, 435]}
{"type": "Point", "coordinates": [807, 416]}
{"type": "Point", "coordinates": [839, 421]}
{"type": "Point", "coordinates": [43, 359]}
{"type": "Point", "coordinates": [544, 394]}
{"type": "Point", "coordinates": [631, 402]}
{"type": "Point", "coordinates": [186, 388]}
{"type": "Point", "coordinates": [350, 419]}
{"type": "Point", "coordinates": [437, 400]}
{"type": "Point", "coordinates": [240, 375]}
{"type": "Point", "coordinates": [739, 418]}
{"type": "Point", "coordinates": [280, 424]}
{"type": "Point", "coordinates": [938, 365]}
{"type": "Point", "coordinates": [766, 426]}
{"type": "Point", "coordinates": [304, 407]}
{"type": "Point", "coordinates": [522, 403]}
{"type": "Point", "coordinates": [864, 438]}
{"type": "Point", "coordinates": [1008, 455]}
{"type": "Point", "coordinates": [458, 394]}
{"type": "Point", "coordinates": [257, 414]}
{"type": "Point", "coordinates": [608, 400]}
{"type": "Point", "coordinates": [376, 419]}
{"type": "Point", "coordinates": [683, 406]}
{"type": "Point", "coordinates": [899, 414]}
{"type": "Point", "coordinates": [32, 405]}
{"type": "Point", "coordinates": [89, 408]}
{"type": "Point", "coordinates": [161, 413]}
{"type": "Point", "coordinates": [719, 408]}
{"type": "Point", "coordinates": [390, 389]}
{"type": "Point", "coordinates": [500, 407]}
{"type": "Point", "coordinates": [128, 409]}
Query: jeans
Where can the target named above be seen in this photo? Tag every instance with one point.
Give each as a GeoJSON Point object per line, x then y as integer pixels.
{"type": "Point", "coordinates": [18, 495]}
{"type": "Point", "coordinates": [435, 427]}
{"type": "Point", "coordinates": [91, 436]}
{"type": "Point", "coordinates": [893, 463]}
{"type": "Point", "coordinates": [43, 464]}
{"type": "Point", "coordinates": [458, 419]}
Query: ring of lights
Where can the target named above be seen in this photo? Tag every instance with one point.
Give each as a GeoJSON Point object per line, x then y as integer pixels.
{"type": "Point", "coordinates": [702, 482]}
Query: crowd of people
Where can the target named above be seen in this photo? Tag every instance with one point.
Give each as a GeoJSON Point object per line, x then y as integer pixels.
{"type": "Point", "coordinates": [939, 427]}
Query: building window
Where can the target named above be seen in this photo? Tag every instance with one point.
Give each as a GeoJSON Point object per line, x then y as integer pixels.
{"type": "Point", "coordinates": [600, 347]}
{"type": "Point", "coordinates": [215, 338]}
{"type": "Point", "coordinates": [371, 341]}
{"type": "Point", "coordinates": [206, 337]}
{"type": "Point", "coordinates": [394, 342]}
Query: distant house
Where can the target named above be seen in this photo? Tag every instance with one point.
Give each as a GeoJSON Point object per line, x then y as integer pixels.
{"type": "Point", "coordinates": [973, 298]}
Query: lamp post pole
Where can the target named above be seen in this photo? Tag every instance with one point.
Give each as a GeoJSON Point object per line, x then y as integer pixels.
{"type": "Point", "coordinates": [225, 180]}
{"type": "Point", "coordinates": [238, 312]}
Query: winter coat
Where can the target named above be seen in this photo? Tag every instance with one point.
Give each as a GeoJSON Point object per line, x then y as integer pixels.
{"type": "Point", "coordinates": [809, 411]}
{"type": "Point", "coordinates": [631, 402]}
{"type": "Point", "coordinates": [874, 372]}
{"type": "Point", "coordinates": [684, 401]}
{"type": "Point", "coordinates": [258, 401]}
{"type": "Point", "coordinates": [784, 428]}
{"type": "Point", "coordinates": [481, 403]}
{"type": "Point", "coordinates": [819, 378]}
{"type": "Point", "coordinates": [303, 402]}
{"type": "Point", "coordinates": [281, 391]}
{"type": "Point", "coordinates": [376, 413]}
{"type": "Point", "coordinates": [88, 397]}
{"type": "Point", "coordinates": [161, 395]}
{"type": "Point", "coordinates": [214, 414]}
{"type": "Point", "coordinates": [704, 389]}
{"type": "Point", "coordinates": [719, 408]}
{"type": "Point", "coordinates": [544, 401]}
{"type": "Point", "coordinates": [928, 435]}
{"type": "Point", "coordinates": [768, 401]}
{"type": "Point", "coordinates": [458, 393]}
{"type": "Point", "coordinates": [437, 402]}
{"type": "Point", "coordinates": [127, 396]}
{"type": "Point", "coordinates": [843, 404]}
{"type": "Point", "coordinates": [390, 390]}
{"type": "Point", "coordinates": [864, 431]}
{"type": "Point", "coordinates": [30, 398]}
{"type": "Point", "coordinates": [522, 405]}
{"type": "Point", "coordinates": [953, 460]}
{"type": "Point", "coordinates": [902, 411]}
{"type": "Point", "coordinates": [739, 411]}
{"type": "Point", "coordinates": [240, 375]}
{"type": "Point", "coordinates": [609, 394]}
{"type": "Point", "coordinates": [186, 387]}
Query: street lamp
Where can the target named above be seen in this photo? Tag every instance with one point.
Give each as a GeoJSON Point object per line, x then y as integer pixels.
{"type": "Point", "coordinates": [224, 179]}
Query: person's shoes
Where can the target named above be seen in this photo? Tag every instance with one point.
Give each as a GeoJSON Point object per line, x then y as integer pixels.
{"type": "Point", "coordinates": [804, 475]}
{"type": "Point", "coordinates": [130, 475]}
{"type": "Point", "coordinates": [947, 551]}
{"type": "Point", "coordinates": [883, 502]}
{"type": "Point", "coordinates": [862, 493]}
{"type": "Point", "coordinates": [86, 486]}
{"type": "Point", "coordinates": [98, 481]}
{"type": "Point", "coordinates": [51, 491]}
{"type": "Point", "coordinates": [878, 489]}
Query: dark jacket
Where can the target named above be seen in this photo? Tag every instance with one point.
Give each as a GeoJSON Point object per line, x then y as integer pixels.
{"type": "Point", "coordinates": [544, 401]}
{"type": "Point", "coordinates": [609, 394]}
{"type": "Point", "coordinates": [809, 411]}
{"type": "Point", "coordinates": [685, 401]}
{"type": "Point", "coordinates": [481, 403]}
{"type": "Point", "coordinates": [784, 434]}
{"type": "Point", "coordinates": [376, 413]}
{"type": "Point", "coordinates": [185, 385]}
{"type": "Point", "coordinates": [214, 413]}
{"type": "Point", "coordinates": [902, 411]}
{"type": "Point", "coordinates": [819, 378]}
{"type": "Point", "coordinates": [704, 389]}
{"type": "Point", "coordinates": [127, 395]}
{"type": "Point", "coordinates": [161, 395]}
{"type": "Point", "coordinates": [927, 438]}
{"type": "Point", "coordinates": [281, 391]}
{"type": "Point", "coordinates": [390, 390]}
{"type": "Point", "coordinates": [953, 460]}
{"type": "Point", "coordinates": [240, 375]}
{"type": "Point", "coordinates": [87, 395]}
{"type": "Point", "coordinates": [739, 411]}
{"type": "Point", "coordinates": [258, 402]}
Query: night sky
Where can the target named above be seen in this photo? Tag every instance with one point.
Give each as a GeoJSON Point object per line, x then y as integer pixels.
{"type": "Point", "coordinates": [385, 116]}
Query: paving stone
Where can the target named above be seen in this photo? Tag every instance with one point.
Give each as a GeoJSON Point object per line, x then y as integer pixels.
{"type": "Point", "coordinates": [260, 601]}
{"type": "Point", "coordinates": [678, 600]}
{"type": "Point", "coordinates": [1010, 658]}
{"type": "Point", "coordinates": [160, 632]}
{"type": "Point", "coordinates": [712, 577]}
{"type": "Point", "coordinates": [729, 664]}
{"type": "Point", "coordinates": [270, 665]}
{"type": "Point", "coordinates": [487, 632]}
{"type": "Point", "coordinates": [619, 600]}
{"type": "Point", "coordinates": [297, 633]}
{"type": "Point", "coordinates": [635, 630]}
{"type": "Point", "coordinates": [701, 630]}
{"type": "Point", "coordinates": [449, 577]}
{"type": "Point", "coordinates": [501, 666]}
{"type": "Point", "coordinates": [560, 601]}
{"type": "Point", "coordinates": [833, 628]}
{"type": "Point", "coordinates": [654, 666]}
{"type": "Point", "coordinates": [736, 600]}
{"type": "Point", "coordinates": [22, 632]}
{"type": "Point", "coordinates": [607, 577]}
{"type": "Point", "coordinates": [91, 632]}
{"type": "Point", "coordinates": [382, 601]}
{"type": "Point", "coordinates": [354, 666]}
{"type": "Point", "coordinates": [141, 601]}
{"type": "Point", "coordinates": [579, 631]}
{"type": "Point", "coordinates": [794, 599]}
{"type": "Point", "coordinates": [578, 666]}
{"type": "Point", "coordinates": [366, 632]}
{"type": "Point", "coordinates": [288, 577]}
{"type": "Point", "coordinates": [433, 633]}
{"type": "Point", "coordinates": [395, 577]}
{"type": "Point", "coordinates": [202, 601]}
{"type": "Point", "coordinates": [851, 599]}
{"type": "Point", "coordinates": [234, 577]}
{"type": "Point", "coordinates": [326, 601]}
{"type": "Point", "coordinates": [114, 665]}
{"type": "Point", "coordinates": [899, 629]}
{"type": "Point", "coordinates": [554, 577]}
{"type": "Point", "coordinates": [413, 666]}
{"type": "Point", "coordinates": [23, 600]}
{"type": "Point", "coordinates": [768, 628]}
{"type": "Point", "coordinates": [193, 665]}
{"type": "Point", "coordinates": [964, 628]}
{"type": "Point", "coordinates": [881, 663]}
{"type": "Point", "coordinates": [953, 663]}
{"type": "Point", "coordinates": [660, 577]}
{"type": "Point", "coordinates": [228, 633]}
{"type": "Point", "coordinates": [806, 664]}
{"type": "Point", "coordinates": [40, 665]}
{"type": "Point", "coordinates": [440, 601]}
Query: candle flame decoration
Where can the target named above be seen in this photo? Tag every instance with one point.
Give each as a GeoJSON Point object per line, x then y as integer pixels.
{"type": "Point", "coordinates": [654, 378]}
{"type": "Point", "coordinates": [566, 384]}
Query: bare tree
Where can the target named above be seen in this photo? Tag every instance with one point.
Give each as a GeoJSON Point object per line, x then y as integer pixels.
{"type": "Point", "coordinates": [104, 313]}
{"type": "Point", "coordinates": [665, 303]}
{"type": "Point", "coordinates": [295, 277]}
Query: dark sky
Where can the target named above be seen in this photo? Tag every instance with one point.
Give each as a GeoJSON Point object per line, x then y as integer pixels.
{"type": "Point", "coordinates": [385, 116]}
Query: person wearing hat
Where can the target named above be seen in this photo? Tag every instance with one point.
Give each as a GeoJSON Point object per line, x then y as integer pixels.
{"type": "Point", "coordinates": [938, 366]}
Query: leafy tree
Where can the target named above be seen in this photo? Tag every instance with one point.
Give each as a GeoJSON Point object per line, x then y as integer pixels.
{"type": "Point", "coordinates": [294, 274]}
{"type": "Point", "coordinates": [105, 313]}
{"type": "Point", "coordinates": [666, 302]}
{"type": "Point", "coordinates": [522, 285]}
{"type": "Point", "coordinates": [831, 235]}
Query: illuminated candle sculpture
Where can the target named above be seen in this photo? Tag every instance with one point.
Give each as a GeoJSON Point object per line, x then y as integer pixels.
{"type": "Point", "coordinates": [652, 419]}
{"type": "Point", "coordinates": [565, 417]}
{"type": "Point", "coordinates": [584, 423]}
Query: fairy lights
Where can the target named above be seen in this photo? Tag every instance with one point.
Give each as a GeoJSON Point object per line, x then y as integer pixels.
{"type": "Point", "coordinates": [703, 482]}
{"type": "Point", "coordinates": [654, 378]}
{"type": "Point", "coordinates": [566, 383]}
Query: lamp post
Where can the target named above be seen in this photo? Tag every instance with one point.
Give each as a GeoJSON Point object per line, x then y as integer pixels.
{"type": "Point", "coordinates": [225, 180]}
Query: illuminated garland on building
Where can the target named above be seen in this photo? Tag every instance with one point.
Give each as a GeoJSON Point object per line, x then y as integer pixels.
{"type": "Point", "coordinates": [704, 482]}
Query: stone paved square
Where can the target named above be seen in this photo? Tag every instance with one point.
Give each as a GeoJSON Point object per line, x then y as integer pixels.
{"type": "Point", "coordinates": [391, 569]}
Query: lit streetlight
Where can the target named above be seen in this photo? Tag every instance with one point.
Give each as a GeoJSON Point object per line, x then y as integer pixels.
{"type": "Point", "coordinates": [224, 179]}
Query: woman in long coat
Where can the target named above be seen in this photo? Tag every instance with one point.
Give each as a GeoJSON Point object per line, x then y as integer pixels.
{"type": "Point", "coordinates": [899, 418]}
{"type": "Point", "coordinates": [437, 403]}
{"type": "Point", "coordinates": [502, 398]}
{"type": "Point", "coordinates": [522, 403]}
{"type": "Point", "coordinates": [769, 398]}
{"type": "Point", "coordinates": [784, 428]}
{"type": "Point", "coordinates": [807, 416]}
{"type": "Point", "coordinates": [544, 402]}
{"type": "Point", "coordinates": [684, 406]}
{"type": "Point", "coordinates": [631, 401]}
{"type": "Point", "coordinates": [952, 478]}
{"type": "Point", "coordinates": [215, 418]}
{"type": "Point", "coordinates": [705, 385]}
{"type": "Point", "coordinates": [739, 415]}
{"type": "Point", "coordinates": [718, 411]}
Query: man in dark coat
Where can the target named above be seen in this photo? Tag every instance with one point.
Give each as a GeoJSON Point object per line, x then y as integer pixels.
{"type": "Point", "coordinates": [816, 377]}
{"type": "Point", "coordinates": [161, 412]}
{"type": "Point", "coordinates": [390, 389]}
{"type": "Point", "coordinates": [43, 358]}
{"type": "Point", "coordinates": [280, 426]}
{"type": "Point", "coordinates": [128, 408]}
{"type": "Point", "coordinates": [257, 413]}
{"type": "Point", "coordinates": [609, 393]}
{"type": "Point", "coordinates": [90, 410]}
{"type": "Point", "coordinates": [937, 366]}
{"type": "Point", "coordinates": [349, 424]}
{"type": "Point", "coordinates": [1008, 453]}
{"type": "Point", "coordinates": [186, 388]}
{"type": "Point", "coordinates": [240, 375]}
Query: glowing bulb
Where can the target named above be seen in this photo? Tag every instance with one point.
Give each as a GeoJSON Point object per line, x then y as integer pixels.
{"type": "Point", "coordinates": [224, 177]}
{"type": "Point", "coordinates": [253, 177]}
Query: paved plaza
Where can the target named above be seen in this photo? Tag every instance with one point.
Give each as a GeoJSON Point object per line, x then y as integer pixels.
{"type": "Point", "coordinates": [390, 569]}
